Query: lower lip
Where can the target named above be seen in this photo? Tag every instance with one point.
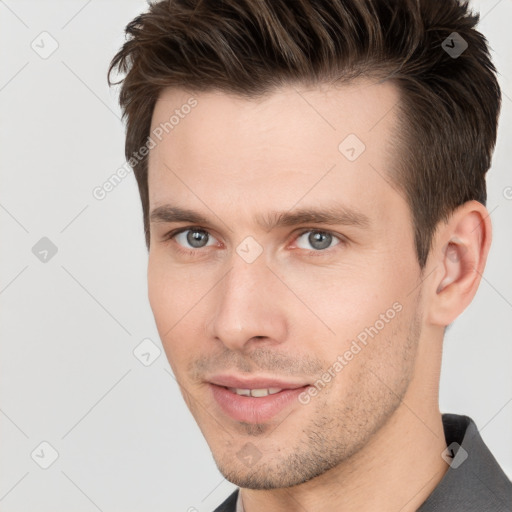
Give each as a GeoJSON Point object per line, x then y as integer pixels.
{"type": "Point", "coordinates": [254, 409]}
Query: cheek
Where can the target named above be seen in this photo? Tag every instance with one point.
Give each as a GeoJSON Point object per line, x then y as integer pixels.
{"type": "Point", "coordinates": [371, 368]}
{"type": "Point", "coordinates": [159, 293]}
{"type": "Point", "coordinates": [173, 290]}
{"type": "Point", "coordinates": [368, 314]}
{"type": "Point", "coordinates": [340, 302]}
{"type": "Point", "coordinates": [172, 297]}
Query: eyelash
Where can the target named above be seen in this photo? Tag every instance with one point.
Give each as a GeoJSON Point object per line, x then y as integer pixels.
{"type": "Point", "coordinates": [197, 252]}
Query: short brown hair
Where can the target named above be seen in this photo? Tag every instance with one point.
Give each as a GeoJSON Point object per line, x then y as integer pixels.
{"type": "Point", "coordinates": [449, 104]}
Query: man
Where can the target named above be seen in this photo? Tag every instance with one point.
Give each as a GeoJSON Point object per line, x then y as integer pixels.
{"type": "Point", "coordinates": [312, 176]}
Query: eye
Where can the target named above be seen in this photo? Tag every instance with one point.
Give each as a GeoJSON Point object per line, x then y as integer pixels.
{"type": "Point", "coordinates": [194, 238]}
{"type": "Point", "coordinates": [317, 239]}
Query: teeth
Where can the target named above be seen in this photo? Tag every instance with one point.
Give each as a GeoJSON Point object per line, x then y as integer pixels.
{"type": "Point", "coordinates": [255, 392]}
{"type": "Point", "coordinates": [242, 392]}
{"type": "Point", "coordinates": [259, 392]}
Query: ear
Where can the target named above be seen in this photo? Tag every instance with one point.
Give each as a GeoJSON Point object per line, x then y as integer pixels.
{"type": "Point", "coordinates": [459, 254]}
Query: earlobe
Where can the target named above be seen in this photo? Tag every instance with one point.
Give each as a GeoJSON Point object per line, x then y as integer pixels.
{"type": "Point", "coordinates": [462, 245]}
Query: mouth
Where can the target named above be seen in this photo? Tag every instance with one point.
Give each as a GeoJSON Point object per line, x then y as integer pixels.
{"type": "Point", "coordinates": [255, 403]}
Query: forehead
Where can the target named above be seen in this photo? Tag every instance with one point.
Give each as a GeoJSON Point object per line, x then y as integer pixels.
{"type": "Point", "coordinates": [293, 145]}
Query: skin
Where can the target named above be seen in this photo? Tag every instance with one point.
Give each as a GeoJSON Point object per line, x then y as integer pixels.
{"type": "Point", "coordinates": [372, 438]}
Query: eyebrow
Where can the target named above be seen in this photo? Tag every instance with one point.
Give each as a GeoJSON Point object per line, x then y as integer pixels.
{"type": "Point", "coordinates": [330, 215]}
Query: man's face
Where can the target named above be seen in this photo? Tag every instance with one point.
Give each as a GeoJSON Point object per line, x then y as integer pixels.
{"type": "Point", "coordinates": [255, 298]}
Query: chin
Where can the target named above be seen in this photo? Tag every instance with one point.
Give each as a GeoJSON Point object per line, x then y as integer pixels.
{"type": "Point", "coordinates": [264, 476]}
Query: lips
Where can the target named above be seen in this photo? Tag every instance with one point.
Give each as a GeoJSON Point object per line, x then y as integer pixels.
{"type": "Point", "coordinates": [254, 400]}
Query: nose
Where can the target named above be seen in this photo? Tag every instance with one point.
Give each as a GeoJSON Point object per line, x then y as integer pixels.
{"type": "Point", "coordinates": [249, 306]}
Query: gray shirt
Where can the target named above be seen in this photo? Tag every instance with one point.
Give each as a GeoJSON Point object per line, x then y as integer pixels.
{"type": "Point", "coordinates": [474, 481]}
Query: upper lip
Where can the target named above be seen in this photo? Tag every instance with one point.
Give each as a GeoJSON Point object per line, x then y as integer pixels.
{"type": "Point", "coordinates": [232, 381]}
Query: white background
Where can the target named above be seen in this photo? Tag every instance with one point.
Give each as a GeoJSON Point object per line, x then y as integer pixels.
{"type": "Point", "coordinates": [125, 439]}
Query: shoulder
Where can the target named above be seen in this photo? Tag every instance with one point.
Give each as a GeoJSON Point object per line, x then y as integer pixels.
{"type": "Point", "coordinates": [229, 505]}
{"type": "Point", "coordinates": [474, 481]}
